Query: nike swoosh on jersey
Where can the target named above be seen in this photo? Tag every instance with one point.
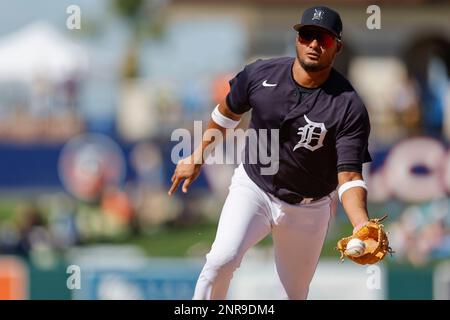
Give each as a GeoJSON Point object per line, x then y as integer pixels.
{"type": "Point", "coordinates": [265, 84]}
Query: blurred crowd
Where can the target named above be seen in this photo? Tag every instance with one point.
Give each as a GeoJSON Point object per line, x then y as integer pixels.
{"type": "Point", "coordinates": [46, 226]}
{"type": "Point", "coordinates": [422, 233]}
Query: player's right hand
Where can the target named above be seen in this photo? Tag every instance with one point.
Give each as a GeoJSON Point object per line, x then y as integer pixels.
{"type": "Point", "coordinates": [186, 170]}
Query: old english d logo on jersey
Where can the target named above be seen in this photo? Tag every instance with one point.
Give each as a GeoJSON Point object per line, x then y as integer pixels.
{"type": "Point", "coordinates": [311, 135]}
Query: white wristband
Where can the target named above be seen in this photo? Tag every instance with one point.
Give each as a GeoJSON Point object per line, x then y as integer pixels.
{"type": "Point", "coordinates": [350, 184]}
{"type": "Point", "coordinates": [223, 121]}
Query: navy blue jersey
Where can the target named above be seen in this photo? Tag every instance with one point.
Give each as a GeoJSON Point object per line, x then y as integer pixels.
{"type": "Point", "coordinates": [318, 130]}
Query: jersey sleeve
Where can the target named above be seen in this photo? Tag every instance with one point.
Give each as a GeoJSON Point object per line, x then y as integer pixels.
{"type": "Point", "coordinates": [353, 139]}
{"type": "Point", "coordinates": [237, 99]}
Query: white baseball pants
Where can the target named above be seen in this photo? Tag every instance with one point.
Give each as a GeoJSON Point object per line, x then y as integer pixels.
{"type": "Point", "coordinates": [249, 215]}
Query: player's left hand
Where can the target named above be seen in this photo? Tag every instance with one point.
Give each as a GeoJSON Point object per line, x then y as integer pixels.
{"type": "Point", "coordinates": [375, 239]}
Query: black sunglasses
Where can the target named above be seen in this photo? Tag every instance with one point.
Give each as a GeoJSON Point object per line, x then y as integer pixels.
{"type": "Point", "coordinates": [324, 38]}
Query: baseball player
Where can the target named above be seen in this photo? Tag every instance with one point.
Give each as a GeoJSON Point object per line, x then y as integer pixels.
{"type": "Point", "coordinates": [323, 142]}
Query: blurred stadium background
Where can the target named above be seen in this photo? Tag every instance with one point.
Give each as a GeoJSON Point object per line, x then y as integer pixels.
{"type": "Point", "coordinates": [86, 117]}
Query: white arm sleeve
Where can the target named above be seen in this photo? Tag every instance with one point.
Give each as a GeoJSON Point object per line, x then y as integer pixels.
{"type": "Point", "coordinates": [223, 121]}
{"type": "Point", "coordinates": [350, 184]}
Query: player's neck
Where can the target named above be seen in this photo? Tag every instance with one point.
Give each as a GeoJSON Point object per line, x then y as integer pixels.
{"type": "Point", "coordinates": [309, 79]}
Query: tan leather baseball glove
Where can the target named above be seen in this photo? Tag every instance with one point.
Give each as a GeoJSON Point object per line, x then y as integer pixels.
{"type": "Point", "coordinates": [375, 240]}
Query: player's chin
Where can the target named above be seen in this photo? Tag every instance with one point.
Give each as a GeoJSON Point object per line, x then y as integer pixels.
{"type": "Point", "coordinates": [312, 63]}
{"type": "Point", "coordinates": [309, 65]}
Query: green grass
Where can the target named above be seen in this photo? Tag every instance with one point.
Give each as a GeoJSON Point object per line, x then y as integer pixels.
{"type": "Point", "coordinates": [178, 241]}
{"type": "Point", "coordinates": [174, 241]}
{"type": "Point", "coordinates": [7, 209]}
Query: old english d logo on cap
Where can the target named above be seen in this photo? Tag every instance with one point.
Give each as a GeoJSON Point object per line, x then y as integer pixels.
{"type": "Point", "coordinates": [317, 14]}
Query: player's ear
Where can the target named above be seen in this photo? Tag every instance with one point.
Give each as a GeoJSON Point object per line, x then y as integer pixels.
{"type": "Point", "coordinates": [339, 46]}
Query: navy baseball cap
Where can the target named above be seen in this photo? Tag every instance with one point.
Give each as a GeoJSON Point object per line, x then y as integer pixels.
{"type": "Point", "coordinates": [322, 17]}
